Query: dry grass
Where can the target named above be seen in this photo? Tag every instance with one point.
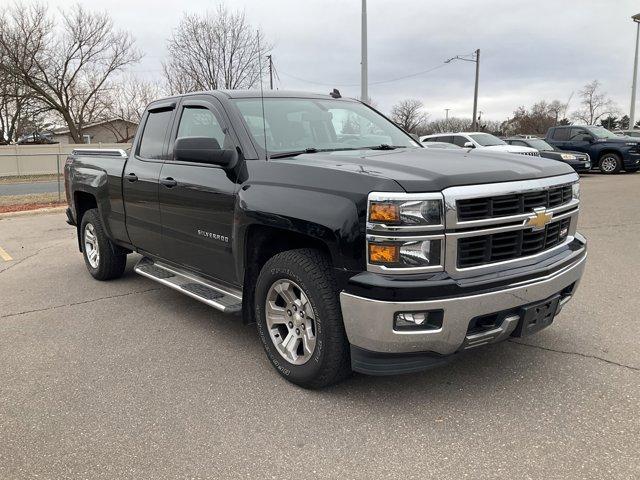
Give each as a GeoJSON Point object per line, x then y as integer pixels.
{"type": "Point", "coordinates": [16, 203]}
{"type": "Point", "coordinates": [28, 178]}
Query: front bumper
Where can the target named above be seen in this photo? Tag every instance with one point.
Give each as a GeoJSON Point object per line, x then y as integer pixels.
{"type": "Point", "coordinates": [369, 322]}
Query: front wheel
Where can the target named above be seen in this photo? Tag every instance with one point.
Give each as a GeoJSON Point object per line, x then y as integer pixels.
{"type": "Point", "coordinates": [632, 169]}
{"type": "Point", "coordinates": [610, 163]}
{"type": "Point", "coordinates": [103, 259]}
{"type": "Point", "coordinates": [299, 319]}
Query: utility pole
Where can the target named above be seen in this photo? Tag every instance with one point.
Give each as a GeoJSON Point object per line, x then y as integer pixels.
{"type": "Point", "coordinates": [632, 110]}
{"type": "Point", "coordinates": [446, 119]}
{"type": "Point", "coordinates": [475, 92]}
{"type": "Point", "coordinates": [475, 58]}
{"type": "Point", "coordinates": [364, 91]}
{"type": "Point", "coordinates": [270, 72]}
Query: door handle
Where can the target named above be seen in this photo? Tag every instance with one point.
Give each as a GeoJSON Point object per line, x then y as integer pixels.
{"type": "Point", "coordinates": [168, 182]}
{"type": "Point", "coordinates": [132, 177]}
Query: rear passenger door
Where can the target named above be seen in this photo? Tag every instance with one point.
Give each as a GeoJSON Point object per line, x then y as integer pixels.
{"type": "Point", "coordinates": [197, 200]}
{"type": "Point", "coordinates": [140, 180]}
{"type": "Point", "coordinates": [560, 138]}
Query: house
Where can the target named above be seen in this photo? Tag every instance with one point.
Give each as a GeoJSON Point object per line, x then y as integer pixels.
{"type": "Point", "coordinates": [106, 131]}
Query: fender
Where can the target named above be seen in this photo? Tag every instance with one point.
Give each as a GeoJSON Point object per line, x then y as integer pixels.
{"type": "Point", "coordinates": [104, 183]}
{"type": "Point", "coordinates": [329, 218]}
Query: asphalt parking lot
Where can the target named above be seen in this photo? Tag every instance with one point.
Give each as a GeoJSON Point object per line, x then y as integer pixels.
{"type": "Point", "coordinates": [128, 379]}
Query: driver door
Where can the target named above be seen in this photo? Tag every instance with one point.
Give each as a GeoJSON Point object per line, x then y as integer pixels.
{"type": "Point", "coordinates": [197, 200]}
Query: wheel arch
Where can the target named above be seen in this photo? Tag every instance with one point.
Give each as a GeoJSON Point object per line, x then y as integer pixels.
{"type": "Point", "coordinates": [262, 242]}
{"type": "Point", "coordinates": [82, 202]}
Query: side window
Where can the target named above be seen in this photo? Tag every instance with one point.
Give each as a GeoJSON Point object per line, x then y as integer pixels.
{"type": "Point", "coordinates": [446, 139]}
{"type": "Point", "coordinates": [459, 140]}
{"type": "Point", "coordinates": [561, 134]}
{"type": "Point", "coordinates": [201, 122]}
{"type": "Point", "coordinates": [155, 129]}
{"type": "Point", "coordinates": [519, 143]}
{"type": "Point", "coordinates": [431, 139]}
{"type": "Point", "coordinates": [578, 133]}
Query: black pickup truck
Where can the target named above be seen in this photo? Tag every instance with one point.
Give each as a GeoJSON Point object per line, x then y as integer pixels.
{"type": "Point", "coordinates": [608, 151]}
{"type": "Point", "coordinates": [351, 246]}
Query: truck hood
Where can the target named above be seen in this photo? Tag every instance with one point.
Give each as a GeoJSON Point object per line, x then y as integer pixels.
{"type": "Point", "coordinates": [429, 170]}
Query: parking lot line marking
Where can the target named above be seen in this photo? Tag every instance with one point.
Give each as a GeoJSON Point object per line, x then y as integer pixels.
{"type": "Point", "coordinates": [4, 255]}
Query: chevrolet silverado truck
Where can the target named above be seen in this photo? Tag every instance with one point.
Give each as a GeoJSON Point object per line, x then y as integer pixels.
{"type": "Point", "coordinates": [351, 246]}
{"type": "Point", "coordinates": [608, 151]}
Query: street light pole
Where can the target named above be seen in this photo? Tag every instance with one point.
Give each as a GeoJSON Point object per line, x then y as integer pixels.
{"type": "Point", "coordinates": [476, 54]}
{"type": "Point", "coordinates": [632, 110]}
{"type": "Point", "coordinates": [364, 94]}
{"type": "Point", "coordinates": [474, 126]}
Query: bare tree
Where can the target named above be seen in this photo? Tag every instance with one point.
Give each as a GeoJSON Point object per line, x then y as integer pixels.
{"type": "Point", "coordinates": [594, 104]}
{"type": "Point", "coordinates": [409, 114]}
{"type": "Point", "coordinates": [20, 113]}
{"type": "Point", "coordinates": [126, 101]}
{"type": "Point", "coordinates": [66, 62]}
{"type": "Point", "coordinates": [215, 50]}
{"type": "Point", "coordinates": [453, 124]}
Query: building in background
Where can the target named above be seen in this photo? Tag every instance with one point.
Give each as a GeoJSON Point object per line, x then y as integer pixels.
{"type": "Point", "coordinates": [106, 131]}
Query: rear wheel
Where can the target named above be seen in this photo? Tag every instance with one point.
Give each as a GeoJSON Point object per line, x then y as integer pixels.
{"type": "Point", "coordinates": [610, 163]}
{"type": "Point", "coordinates": [103, 259]}
{"type": "Point", "coordinates": [299, 319]}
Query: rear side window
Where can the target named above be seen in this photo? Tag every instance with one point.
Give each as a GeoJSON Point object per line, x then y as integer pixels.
{"type": "Point", "coordinates": [561, 134]}
{"type": "Point", "coordinates": [155, 129]}
{"type": "Point", "coordinates": [201, 122]}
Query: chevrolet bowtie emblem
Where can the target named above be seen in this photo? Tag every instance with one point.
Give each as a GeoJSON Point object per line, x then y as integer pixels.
{"type": "Point", "coordinates": [539, 219]}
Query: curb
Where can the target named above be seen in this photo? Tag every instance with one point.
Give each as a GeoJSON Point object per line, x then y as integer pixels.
{"type": "Point", "coordinates": [35, 211]}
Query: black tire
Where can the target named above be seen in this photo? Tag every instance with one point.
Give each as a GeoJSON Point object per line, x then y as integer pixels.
{"type": "Point", "coordinates": [311, 270]}
{"type": "Point", "coordinates": [610, 163]}
{"type": "Point", "coordinates": [632, 169]}
{"type": "Point", "coordinates": [111, 261]}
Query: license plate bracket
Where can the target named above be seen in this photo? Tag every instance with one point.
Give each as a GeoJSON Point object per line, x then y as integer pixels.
{"type": "Point", "coordinates": [537, 316]}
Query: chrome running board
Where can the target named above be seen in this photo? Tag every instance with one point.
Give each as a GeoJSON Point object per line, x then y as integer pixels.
{"type": "Point", "coordinates": [221, 298]}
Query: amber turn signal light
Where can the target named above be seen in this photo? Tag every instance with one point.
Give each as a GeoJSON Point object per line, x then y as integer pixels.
{"type": "Point", "coordinates": [381, 253]}
{"type": "Point", "coordinates": [384, 212]}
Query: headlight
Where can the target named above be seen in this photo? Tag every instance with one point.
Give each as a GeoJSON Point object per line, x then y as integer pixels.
{"type": "Point", "coordinates": [406, 210]}
{"type": "Point", "coordinates": [405, 254]}
{"type": "Point", "coordinates": [405, 232]}
{"type": "Point", "coordinates": [575, 191]}
{"type": "Point", "coordinates": [567, 156]}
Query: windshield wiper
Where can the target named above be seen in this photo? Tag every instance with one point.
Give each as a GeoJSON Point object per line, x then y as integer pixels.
{"type": "Point", "coordinates": [383, 146]}
{"type": "Point", "coordinates": [294, 153]}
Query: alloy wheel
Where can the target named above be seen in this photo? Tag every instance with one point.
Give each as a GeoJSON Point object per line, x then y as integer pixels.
{"type": "Point", "coordinates": [91, 247]}
{"type": "Point", "coordinates": [291, 321]}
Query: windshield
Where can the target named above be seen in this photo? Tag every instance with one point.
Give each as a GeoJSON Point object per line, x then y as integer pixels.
{"type": "Point", "coordinates": [298, 124]}
{"type": "Point", "coordinates": [601, 132]}
{"type": "Point", "coordinates": [540, 145]}
{"type": "Point", "coordinates": [486, 140]}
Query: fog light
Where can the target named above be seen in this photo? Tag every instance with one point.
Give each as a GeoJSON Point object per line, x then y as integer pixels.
{"type": "Point", "coordinates": [430, 320]}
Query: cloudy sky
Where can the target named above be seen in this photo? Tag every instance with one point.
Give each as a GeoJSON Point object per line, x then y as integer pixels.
{"type": "Point", "coordinates": [530, 50]}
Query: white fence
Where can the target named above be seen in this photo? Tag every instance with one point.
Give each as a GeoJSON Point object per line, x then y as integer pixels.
{"type": "Point", "coordinates": [23, 160]}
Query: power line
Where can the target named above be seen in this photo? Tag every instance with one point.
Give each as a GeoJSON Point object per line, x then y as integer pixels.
{"type": "Point", "coordinates": [379, 82]}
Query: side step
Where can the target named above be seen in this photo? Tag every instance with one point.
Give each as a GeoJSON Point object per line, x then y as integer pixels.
{"type": "Point", "coordinates": [221, 298]}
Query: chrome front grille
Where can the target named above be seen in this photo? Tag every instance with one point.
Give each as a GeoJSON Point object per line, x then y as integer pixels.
{"type": "Point", "coordinates": [505, 205]}
{"type": "Point", "coordinates": [492, 227]}
{"type": "Point", "coordinates": [498, 247]}
{"type": "Point", "coordinates": [533, 154]}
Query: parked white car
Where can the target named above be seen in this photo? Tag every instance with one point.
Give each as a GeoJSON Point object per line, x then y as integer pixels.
{"type": "Point", "coordinates": [479, 140]}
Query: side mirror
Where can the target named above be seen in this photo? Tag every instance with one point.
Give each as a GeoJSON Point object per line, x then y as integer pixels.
{"type": "Point", "coordinates": [203, 150]}
{"type": "Point", "coordinates": [587, 138]}
{"type": "Point", "coordinates": [469, 145]}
